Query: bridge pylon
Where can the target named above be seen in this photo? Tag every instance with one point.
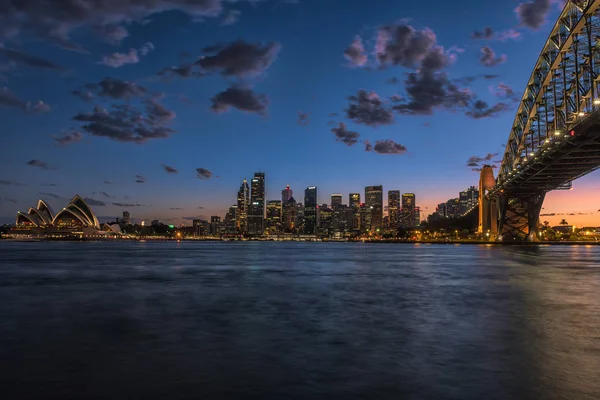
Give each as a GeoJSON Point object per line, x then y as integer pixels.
{"type": "Point", "coordinates": [488, 210]}
{"type": "Point", "coordinates": [518, 217]}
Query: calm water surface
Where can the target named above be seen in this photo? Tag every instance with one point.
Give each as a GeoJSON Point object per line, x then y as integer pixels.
{"type": "Point", "coordinates": [298, 321]}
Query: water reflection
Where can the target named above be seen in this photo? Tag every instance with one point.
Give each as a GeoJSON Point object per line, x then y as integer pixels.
{"type": "Point", "coordinates": [299, 320]}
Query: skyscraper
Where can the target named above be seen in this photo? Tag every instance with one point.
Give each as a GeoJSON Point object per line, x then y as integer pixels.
{"type": "Point", "coordinates": [256, 213]}
{"type": "Point", "coordinates": [374, 203]}
{"type": "Point", "coordinates": [394, 208]}
{"type": "Point", "coordinates": [463, 204]}
{"type": "Point", "coordinates": [336, 201]}
{"type": "Point", "coordinates": [274, 213]}
{"type": "Point", "coordinates": [407, 219]}
{"type": "Point", "coordinates": [243, 202]}
{"type": "Point", "coordinates": [354, 200]}
{"type": "Point", "coordinates": [310, 210]}
{"type": "Point", "coordinates": [286, 195]}
{"type": "Point", "coordinates": [126, 217]}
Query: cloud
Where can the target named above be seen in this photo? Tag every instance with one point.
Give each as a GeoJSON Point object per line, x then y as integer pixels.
{"type": "Point", "coordinates": [108, 196]}
{"type": "Point", "coordinates": [57, 24]}
{"type": "Point", "coordinates": [175, 208]}
{"type": "Point", "coordinates": [71, 137]}
{"type": "Point", "coordinates": [355, 53]}
{"type": "Point", "coordinates": [533, 14]}
{"type": "Point", "coordinates": [108, 183]}
{"type": "Point", "coordinates": [6, 182]}
{"type": "Point", "coordinates": [85, 95]}
{"type": "Point", "coordinates": [367, 108]}
{"type": "Point", "coordinates": [478, 162]}
{"type": "Point", "coordinates": [489, 58]}
{"type": "Point", "coordinates": [303, 118]}
{"type": "Point", "coordinates": [94, 202]}
{"type": "Point", "coordinates": [39, 164]}
{"type": "Point", "coordinates": [403, 45]}
{"type": "Point", "coordinates": [169, 169]}
{"type": "Point", "coordinates": [157, 113]}
{"type": "Point", "coordinates": [113, 88]}
{"type": "Point", "coordinates": [481, 110]}
{"type": "Point", "coordinates": [116, 60]}
{"type": "Point", "coordinates": [393, 81]}
{"type": "Point", "coordinates": [27, 59]}
{"type": "Point", "coordinates": [343, 135]}
{"type": "Point", "coordinates": [9, 99]}
{"type": "Point", "coordinates": [38, 107]}
{"type": "Point", "coordinates": [239, 58]}
{"type": "Point", "coordinates": [125, 123]}
{"type": "Point", "coordinates": [243, 99]}
{"type": "Point", "coordinates": [489, 34]}
{"type": "Point", "coordinates": [232, 17]}
{"type": "Point", "coordinates": [200, 208]}
{"type": "Point", "coordinates": [202, 217]}
{"type": "Point", "coordinates": [203, 173]}
{"type": "Point", "coordinates": [503, 91]}
{"type": "Point", "coordinates": [386, 147]}
{"type": "Point", "coordinates": [428, 90]}
{"type": "Point", "coordinates": [140, 179]}
{"type": "Point", "coordinates": [7, 200]}
{"type": "Point", "coordinates": [127, 205]}
{"type": "Point", "coordinates": [53, 195]}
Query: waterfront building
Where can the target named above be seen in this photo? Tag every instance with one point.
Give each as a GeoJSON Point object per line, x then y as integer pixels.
{"type": "Point", "coordinates": [215, 225]}
{"type": "Point", "coordinates": [243, 202]}
{"type": "Point", "coordinates": [289, 212]}
{"type": "Point", "coordinates": [325, 225]}
{"type": "Point", "coordinates": [374, 204]}
{"type": "Point", "coordinates": [393, 208]}
{"type": "Point", "coordinates": [126, 218]}
{"type": "Point", "coordinates": [256, 213]}
{"type": "Point", "coordinates": [274, 214]}
{"type": "Point", "coordinates": [310, 210]}
{"type": "Point", "coordinates": [407, 219]}
{"type": "Point", "coordinates": [441, 210]}
{"type": "Point", "coordinates": [230, 223]}
{"type": "Point", "coordinates": [452, 208]}
{"type": "Point", "coordinates": [76, 218]}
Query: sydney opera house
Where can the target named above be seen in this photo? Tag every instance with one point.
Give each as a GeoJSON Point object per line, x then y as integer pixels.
{"type": "Point", "coordinates": [75, 219]}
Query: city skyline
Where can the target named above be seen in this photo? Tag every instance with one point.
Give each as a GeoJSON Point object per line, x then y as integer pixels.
{"type": "Point", "coordinates": [342, 123]}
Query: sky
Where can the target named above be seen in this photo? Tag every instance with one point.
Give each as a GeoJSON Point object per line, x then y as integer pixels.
{"type": "Point", "coordinates": [162, 107]}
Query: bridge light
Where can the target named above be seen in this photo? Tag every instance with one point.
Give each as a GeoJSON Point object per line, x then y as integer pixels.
{"type": "Point", "coordinates": [581, 114]}
{"type": "Point", "coordinates": [572, 133]}
{"type": "Point", "coordinates": [532, 154]}
{"type": "Point", "coordinates": [556, 133]}
{"type": "Point", "coordinates": [597, 101]}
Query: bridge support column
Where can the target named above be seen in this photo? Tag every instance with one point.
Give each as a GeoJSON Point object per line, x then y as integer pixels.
{"type": "Point", "coordinates": [518, 217]}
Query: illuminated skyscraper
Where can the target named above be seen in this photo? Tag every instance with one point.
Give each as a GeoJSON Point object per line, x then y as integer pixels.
{"type": "Point", "coordinates": [310, 210]}
{"type": "Point", "coordinates": [374, 204]}
{"type": "Point", "coordinates": [336, 201]}
{"type": "Point", "coordinates": [256, 212]}
{"type": "Point", "coordinates": [394, 208]}
{"type": "Point", "coordinates": [243, 202]}
{"type": "Point", "coordinates": [274, 213]}
{"type": "Point", "coordinates": [354, 200]}
{"type": "Point", "coordinates": [407, 218]}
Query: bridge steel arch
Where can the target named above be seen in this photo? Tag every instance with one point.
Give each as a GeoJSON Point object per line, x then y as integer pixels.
{"type": "Point", "coordinates": [561, 94]}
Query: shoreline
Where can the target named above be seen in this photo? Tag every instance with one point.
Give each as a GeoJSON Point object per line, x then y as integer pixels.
{"type": "Point", "coordinates": [389, 241]}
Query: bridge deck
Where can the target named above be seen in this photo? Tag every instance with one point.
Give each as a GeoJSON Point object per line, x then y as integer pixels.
{"type": "Point", "coordinates": [560, 160]}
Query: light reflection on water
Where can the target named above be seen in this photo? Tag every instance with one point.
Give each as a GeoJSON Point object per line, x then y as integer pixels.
{"type": "Point", "coordinates": [299, 320]}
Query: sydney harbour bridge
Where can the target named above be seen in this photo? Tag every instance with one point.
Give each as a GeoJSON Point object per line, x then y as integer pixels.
{"type": "Point", "coordinates": [555, 137]}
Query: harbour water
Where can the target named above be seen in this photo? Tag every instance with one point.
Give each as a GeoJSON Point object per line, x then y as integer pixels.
{"type": "Point", "coordinates": [298, 321]}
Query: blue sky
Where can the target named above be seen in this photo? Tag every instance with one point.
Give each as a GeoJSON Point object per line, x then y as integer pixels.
{"type": "Point", "coordinates": [305, 71]}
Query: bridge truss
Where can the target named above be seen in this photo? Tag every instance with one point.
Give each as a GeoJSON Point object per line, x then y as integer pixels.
{"type": "Point", "coordinates": [561, 100]}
